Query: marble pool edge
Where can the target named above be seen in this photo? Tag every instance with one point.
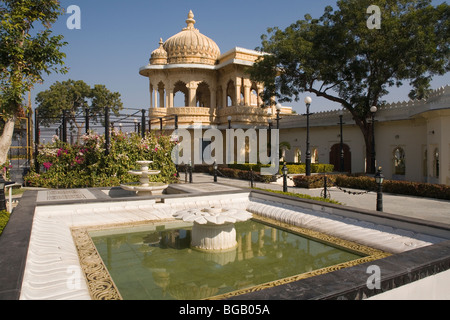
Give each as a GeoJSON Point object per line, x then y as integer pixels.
{"type": "Point", "coordinates": [15, 239]}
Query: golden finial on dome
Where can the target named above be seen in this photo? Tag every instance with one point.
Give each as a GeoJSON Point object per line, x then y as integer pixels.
{"type": "Point", "coordinates": [190, 20]}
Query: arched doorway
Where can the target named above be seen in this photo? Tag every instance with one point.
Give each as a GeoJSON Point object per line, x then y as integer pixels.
{"type": "Point", "coordinates": [335, 157]}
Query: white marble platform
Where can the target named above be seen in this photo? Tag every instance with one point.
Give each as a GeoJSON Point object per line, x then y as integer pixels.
{"type": "Point", "coordinates": [53, 271]}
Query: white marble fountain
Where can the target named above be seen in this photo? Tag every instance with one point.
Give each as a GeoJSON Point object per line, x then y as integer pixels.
{"type": "Point", "coordinates": [213, 228]}
{"type": "Point", "coordinates": [145, 187]}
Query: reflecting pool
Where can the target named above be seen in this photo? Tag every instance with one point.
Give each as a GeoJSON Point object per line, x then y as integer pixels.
{"type": "Point", "coordinates": [156, 262]}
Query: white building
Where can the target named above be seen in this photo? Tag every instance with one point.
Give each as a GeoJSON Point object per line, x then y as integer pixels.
{"type": "Point", "coordinates": [192, 81]}
{"type": "Point", "coordinates": [412, 139]}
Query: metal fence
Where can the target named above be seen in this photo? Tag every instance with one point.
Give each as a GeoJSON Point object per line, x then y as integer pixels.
{"type": "Point", "coordinates": [71, 129]}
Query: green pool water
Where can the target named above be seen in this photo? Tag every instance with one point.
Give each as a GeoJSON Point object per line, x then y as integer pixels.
{"type": "Point", "coordinates": [155, 262]}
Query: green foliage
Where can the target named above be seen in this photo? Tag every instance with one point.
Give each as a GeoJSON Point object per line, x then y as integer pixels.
{"type": "Point", "coordinates": [86, 165]}
{"type": "Point", "coordinates": [429, 190]}
{"type": "Point", "coordinates": [245, 175]}
{"type": "Point", "coordinates": [292, 168]}
{"type": "Point", "coordinates": [4, 169]}
{"type": "Point", "coordinates": [418, 189]}
{"type": "Point", "coordinates": [28, 49]}
{"type": "Point", "coordinates": [73, 97]}
{"type": "Point", "coordinates": [4, 218]}
{"type": "Point", "coordinates": [339, 58]}
{"type": "Point", "coordinates": [315, 181]}
{"type": "Point", "coordinates": [301, 196]}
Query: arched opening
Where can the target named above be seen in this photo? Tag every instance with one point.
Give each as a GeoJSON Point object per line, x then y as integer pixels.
{"type": "Point", "coordinates": [161, 95]}
{"type": "Point", "coordinates": [180, 94]}
{"type": "Point", "coordinates": [315, 155]}
{"type": "Point", "coordinates": [436, 163]}
{"type": "Point", "coordinates": [219, 97]}
{"type": "Point", "coordinates": [203, 95]}
{"type": "Point", "coordinates": [297, 155]}
{"type": "Point", "coordinates": [425, 163]}
{"type": "Point", "coordinates": [335, 157]}
{"type": "Point", "coordinates": [399, 161]}
{"type": "Point", "coordinates": [231, 89]}
{"type": "Point", "coordinates": [253, 98]}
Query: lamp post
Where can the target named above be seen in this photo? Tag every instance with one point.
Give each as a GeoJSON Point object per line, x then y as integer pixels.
{"type": "Point", "coordinates": [341, 164]}
{"type": "Point", "coordinates": [215, 170]}
{"type": "Point", "coordinates": [379, 178]}
{"type": "Point", "coordinates": [308, 101]}
{"type": "Point", "coordinates": [269, 139]}
{"type": "Point", "coordinates": [278, 115]}
{"type": "Point", "coordinates": [285, 172]}
{"type": "Point", "coordinates": [2, 193]}
{"type": "Point", "coordinates": [229, 122]}
{"type": "Point", "coordinates": [190, 171]}
{"type": "Point", "coordinates": [373, 110]}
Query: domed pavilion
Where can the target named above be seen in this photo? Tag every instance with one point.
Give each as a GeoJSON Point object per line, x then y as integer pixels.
{"type": "Point", "coordinates": [190, 78]}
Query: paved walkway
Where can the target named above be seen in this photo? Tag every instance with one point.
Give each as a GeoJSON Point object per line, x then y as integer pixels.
{"type": "Point", "coordinates": [427, 209]}
{"type": "Point", "coordinates": [416, 207]}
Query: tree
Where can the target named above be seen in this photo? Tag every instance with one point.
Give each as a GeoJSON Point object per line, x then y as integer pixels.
{"type": "Point", "coordinates": [73, 98]}
{"type": "Point", "coordinates": [26, 53]}
{"type": "Point", "coordinates": [340, 58]}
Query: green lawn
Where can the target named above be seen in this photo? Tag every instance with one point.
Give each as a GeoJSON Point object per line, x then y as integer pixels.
{"type": "Point", "coordinates": [4, 218]}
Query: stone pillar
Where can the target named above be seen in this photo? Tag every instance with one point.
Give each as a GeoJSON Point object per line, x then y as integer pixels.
{"type": "Point", "coordinates": [162, 97]}
{"type": "Point", "coordinates": [170, 99]}
{"type": "Point", "coordinates": [238, 91]}
{"type": "Point", "coordinates": [213, 98]}
{"type": "Point", "coordinates": [247, 87]}
{"type": "Point", "coordinates": [192, 100]}
{"type": "Point", "coordinates": [224, 97]}
{"type": "Point", "coordinates": [155, 97]}
{"type": "Point", "coordinates": [151, 95]}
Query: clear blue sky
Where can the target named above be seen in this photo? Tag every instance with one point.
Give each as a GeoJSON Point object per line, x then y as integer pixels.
{"type": "Point", "coordinates": [117, 37]}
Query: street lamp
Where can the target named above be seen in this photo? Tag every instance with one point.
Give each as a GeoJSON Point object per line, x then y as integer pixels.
{"type": "Point", "coordinates": [341, 164]}
{"type": "Point", "coordinates": [308, 101]}
{"type": "Point", "coordinates": [373, 110]}
{"type": "Point", "coordinates": [379, 178]}
{"type": "Point", "coordinates": [215, 170]}
{"type": "Point", "coordinates": [270, 135]}
{"type": "Point", "coordinates": [229, 122]}
{"type": "Point", "coordinates": [2, 193]}
{"type": "Point", "coordinates": [278, 107]}
{"type": "Point", "coordinates": [285, 172]}
{"type": "Point", "coordinates": [190, 171]}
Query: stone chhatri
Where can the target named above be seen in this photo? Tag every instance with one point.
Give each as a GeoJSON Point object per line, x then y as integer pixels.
{"type": "Point", "coordinates": [191, 46]}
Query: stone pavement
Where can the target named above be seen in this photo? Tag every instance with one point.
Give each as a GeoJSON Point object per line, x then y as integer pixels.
{"type": "Point", "coordinates": [427, 209]}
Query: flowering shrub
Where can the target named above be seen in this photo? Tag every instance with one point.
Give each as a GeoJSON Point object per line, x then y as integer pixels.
{"type": "Point", "coordinates": [86, 165]}
{"type": "Point", "coordinates": [4, 169]}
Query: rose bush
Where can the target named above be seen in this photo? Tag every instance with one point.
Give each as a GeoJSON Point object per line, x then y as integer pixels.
{"type": "Point", "coordinates": [87, 165]}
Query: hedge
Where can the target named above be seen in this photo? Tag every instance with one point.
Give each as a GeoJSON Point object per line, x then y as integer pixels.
{"type": "Point", "coordinates": [315, 181]}
{"type": "Point", "coordinates": [292, 168]}
{"type": "Point", "coordinates": [301, 196]}
{"type": "Point", "coordinates": [4, 218]}
{"type": "Point", "coordinates": [419, 189]}
{"type": "Point", "coordinates": [245, 175]}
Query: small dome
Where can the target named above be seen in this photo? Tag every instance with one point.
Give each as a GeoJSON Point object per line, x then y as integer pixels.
{"type": "Point", "coordinates": [190, 46]}
{"type": "Point", "coordinates": [159, 56]}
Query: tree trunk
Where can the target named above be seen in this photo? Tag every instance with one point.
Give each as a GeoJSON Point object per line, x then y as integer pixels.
{"type": "Point", "coordinates": [366, 129]}
{"type": "Point", "coordinates": [6, 138]}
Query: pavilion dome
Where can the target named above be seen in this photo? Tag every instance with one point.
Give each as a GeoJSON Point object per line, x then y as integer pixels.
{"type": "Point", "coordinates": [190, 46]}
{"type": "Point", "coordinates": [159, 56]}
